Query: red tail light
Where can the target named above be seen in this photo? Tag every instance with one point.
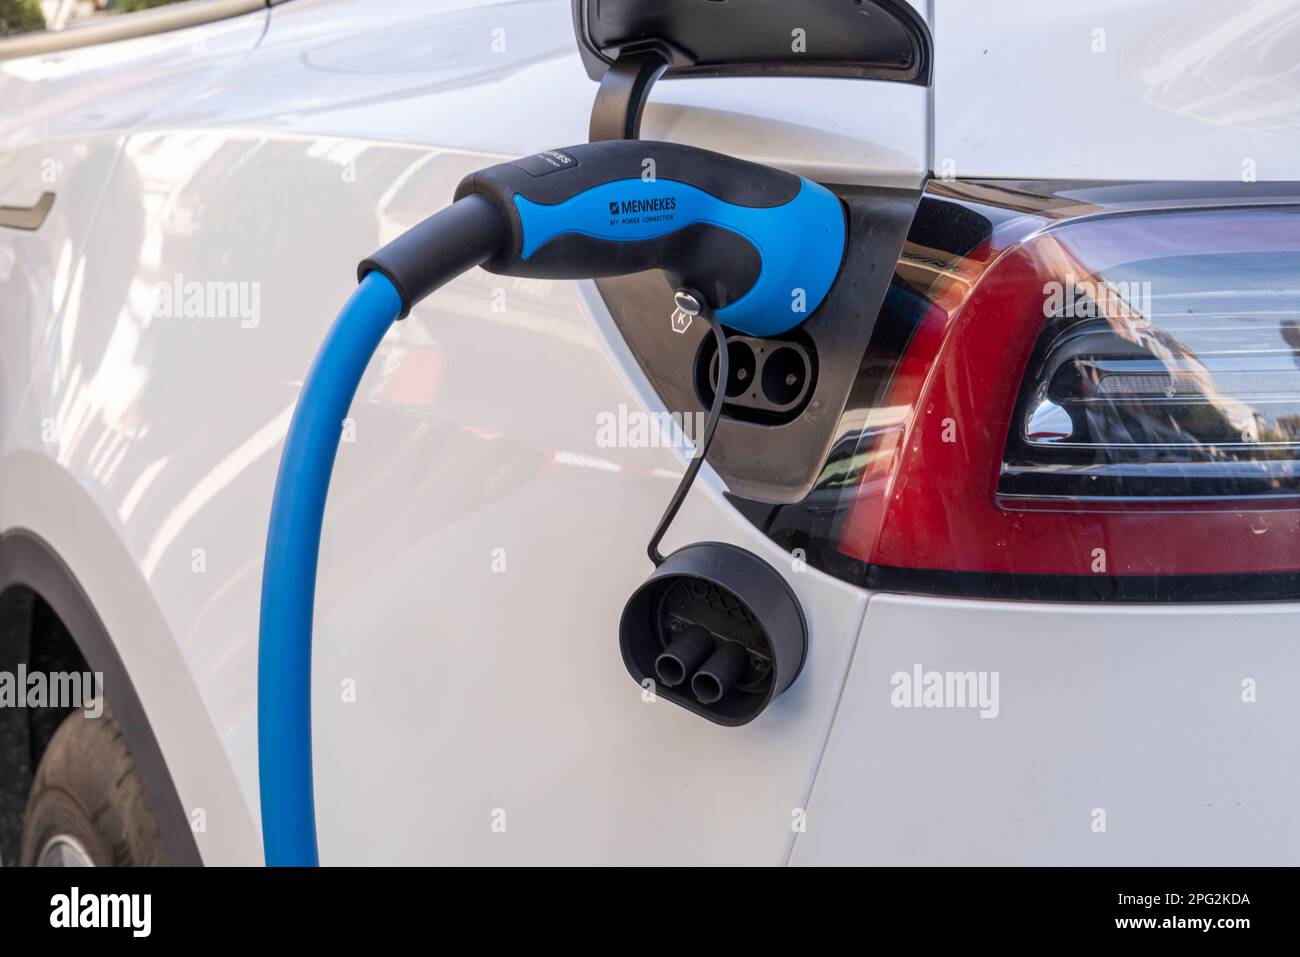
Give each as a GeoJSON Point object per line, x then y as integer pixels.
{"type": "Point", "coordinates": [1111, 394]}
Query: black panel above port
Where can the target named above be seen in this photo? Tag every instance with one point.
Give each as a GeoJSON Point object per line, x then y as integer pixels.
{"type": "Point", "coordinates": [869, 39]}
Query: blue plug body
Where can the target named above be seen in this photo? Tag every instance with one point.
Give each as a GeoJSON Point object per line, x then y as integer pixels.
{"type": "Point", "coordinates": [764, 246]}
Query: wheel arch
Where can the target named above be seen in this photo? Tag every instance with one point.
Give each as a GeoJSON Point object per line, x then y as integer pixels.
{"type": "Point", "coordinates": [27, 560]}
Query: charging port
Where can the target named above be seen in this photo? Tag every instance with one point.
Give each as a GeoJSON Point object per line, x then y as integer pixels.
{"type": "Point", "coordinates": [770, 380]}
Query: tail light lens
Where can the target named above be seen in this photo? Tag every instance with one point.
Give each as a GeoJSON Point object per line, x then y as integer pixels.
{"type": "Point", "coordinates": [1170, 377]}
{"type": "Point", "coordinates": [1070, 389]}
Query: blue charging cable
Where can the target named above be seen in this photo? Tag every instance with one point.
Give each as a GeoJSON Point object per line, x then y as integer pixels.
{"type": "Point", "coordinates": [463, 235]}
{"type": "Point", "coordinates": [289, 571]}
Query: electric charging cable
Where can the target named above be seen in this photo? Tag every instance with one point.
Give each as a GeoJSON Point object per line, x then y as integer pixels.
{"type": "Point", "coordinates": [737, 237]}
{"type": "Point", "coordinates": [693, 304]}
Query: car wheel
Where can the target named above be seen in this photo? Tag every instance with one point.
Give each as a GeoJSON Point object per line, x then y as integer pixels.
{"type": "Point", "coordinates": [88, 806]}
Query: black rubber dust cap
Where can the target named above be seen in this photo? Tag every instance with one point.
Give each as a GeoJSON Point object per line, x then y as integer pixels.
{"type": "Point", "coordinates": [717, 630]}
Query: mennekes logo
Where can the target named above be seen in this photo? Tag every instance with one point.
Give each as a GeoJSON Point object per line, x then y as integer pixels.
{"type": "Point", "coordinates": [659, 205]}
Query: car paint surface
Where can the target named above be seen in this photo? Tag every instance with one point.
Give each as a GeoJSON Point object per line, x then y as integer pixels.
{"type": "Point", "coordinates": [481, 537]}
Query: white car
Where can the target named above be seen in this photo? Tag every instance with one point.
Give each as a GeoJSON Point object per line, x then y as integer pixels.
{"type": "Point", "coordinates": [1032, 475]}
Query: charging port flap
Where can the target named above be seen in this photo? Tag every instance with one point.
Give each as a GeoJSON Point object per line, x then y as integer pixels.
{"type": "Point", "coordinates": [868, 39]}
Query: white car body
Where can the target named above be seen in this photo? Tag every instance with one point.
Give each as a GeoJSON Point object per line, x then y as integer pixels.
{"type": "Point", "coordinates": [479, 543]}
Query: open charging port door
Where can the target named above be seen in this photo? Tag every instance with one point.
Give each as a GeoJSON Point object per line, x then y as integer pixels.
{"type": "Point", "coordinates": [629, 44]}
{"type": "Point", "coordinates": [715, 629]}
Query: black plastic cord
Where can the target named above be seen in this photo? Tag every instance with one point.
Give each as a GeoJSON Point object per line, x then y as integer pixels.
{"type": "Point", "coordinates": [702, 446]}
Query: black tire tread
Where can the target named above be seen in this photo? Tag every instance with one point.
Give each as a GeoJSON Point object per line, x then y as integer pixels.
{"type": "Point", "coordinates": [87, 786]}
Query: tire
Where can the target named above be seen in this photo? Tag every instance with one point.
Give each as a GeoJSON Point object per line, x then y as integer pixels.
{"type": "Point", "coordinates": [88, 802]}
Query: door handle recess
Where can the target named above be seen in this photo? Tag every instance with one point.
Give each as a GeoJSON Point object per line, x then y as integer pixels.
{"type": "Point", "coordinates": [27, 217]}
